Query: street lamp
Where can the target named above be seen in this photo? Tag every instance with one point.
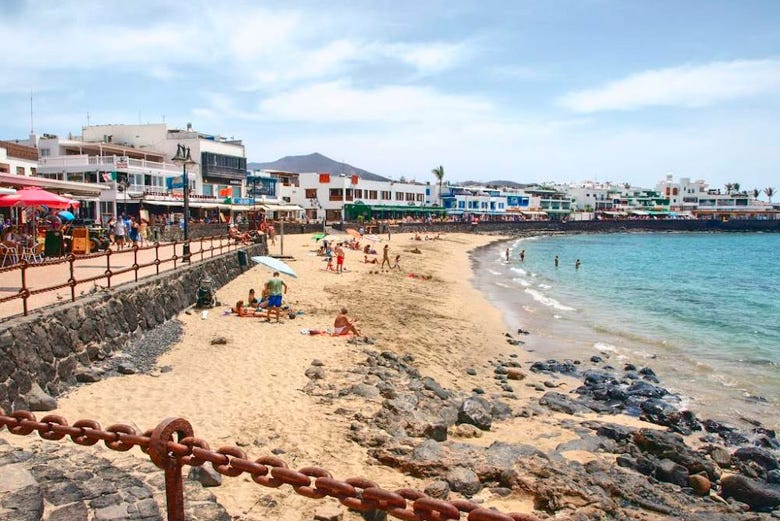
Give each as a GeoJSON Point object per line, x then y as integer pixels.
{"type": "Point", "coordinates": [183, 156]}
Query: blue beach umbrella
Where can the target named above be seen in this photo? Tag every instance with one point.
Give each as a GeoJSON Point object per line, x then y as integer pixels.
{"type": "Point", "coordinates": [66, 215]}
{"type": "Point", "coordinates": [275, 264]}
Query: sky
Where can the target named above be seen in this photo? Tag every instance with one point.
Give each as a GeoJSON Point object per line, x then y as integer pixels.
{"type": "Point", "coordinates": [527, 91]}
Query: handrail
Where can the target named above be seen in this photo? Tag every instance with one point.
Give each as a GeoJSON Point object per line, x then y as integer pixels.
{"type": "Point", "coordinates": [200, 249]}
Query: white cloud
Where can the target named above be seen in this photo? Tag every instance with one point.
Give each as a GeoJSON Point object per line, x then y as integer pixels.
{"type": "Point", "coordinates": [428, 58]}
{"type": "Point", "coordinates": [686, 86]}
{"type": "Point", "coordinates": [339, 102]}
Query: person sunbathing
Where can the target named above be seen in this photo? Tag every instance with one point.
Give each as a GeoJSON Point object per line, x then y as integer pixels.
{"type": "Point", "coordinates": [369, 261]}
{"type": "Point", "coordinates": [343, 325]}
{"type": "Point", "coordinates": [242, 311]}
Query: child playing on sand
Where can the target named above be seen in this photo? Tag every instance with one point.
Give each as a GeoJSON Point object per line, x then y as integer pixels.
{"type": "Point", "coordinates": [397, 264]}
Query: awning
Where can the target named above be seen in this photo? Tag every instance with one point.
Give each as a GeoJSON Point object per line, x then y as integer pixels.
{"type": "Point", "coordinates": [164, 203]}
{"type": "Point", "coordinates": [283, 208]}
{"type": "Point", "coordinates": [526, 212]}
{"type": "Point", "coordinates": [203, 205]}
{"type": "Point", "coordinates": [638, 212]}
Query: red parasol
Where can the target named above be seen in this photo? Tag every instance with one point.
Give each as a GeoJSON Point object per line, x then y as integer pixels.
{"type": "Point", "coordinates": [353, 232]}
{"type": "Point", "coordinates": [34, 196]}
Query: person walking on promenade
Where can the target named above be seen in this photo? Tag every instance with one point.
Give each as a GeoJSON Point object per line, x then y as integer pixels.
{"type": "Point", "coordinates": [386, 257]}
{"type": "Point", "coordinates": [120, 230]}
{"type": "Point", "coordinates": [275, 287]}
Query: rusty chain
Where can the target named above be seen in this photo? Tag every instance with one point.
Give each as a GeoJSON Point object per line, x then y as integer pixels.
{"type": "Point", "coordinates": [356, 493]}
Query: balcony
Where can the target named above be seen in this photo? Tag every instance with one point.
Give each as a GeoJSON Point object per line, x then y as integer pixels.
{"type": "Point", "coordinates": [86, 163]}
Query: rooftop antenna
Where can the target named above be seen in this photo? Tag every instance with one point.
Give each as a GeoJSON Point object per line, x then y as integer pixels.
{"type": "Point", "coordinates": [87, 118]}
{"type": "Point", "coordinates": [32, 127]}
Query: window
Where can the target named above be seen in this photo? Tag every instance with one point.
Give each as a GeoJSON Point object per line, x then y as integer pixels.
{"type": "Point", "coordinates": [33, 171]}
{"type": "Point", "coordinates": [372, 194]}
{"type": "Point", "coordinates": [399, 196]}
{"type": "Point", "coordinates": [19, 170]}
{"type": "Point", "coordinates": [4, 168]}
{"type": "Point", "coordinates": [410, 196]}
{"type": "Point", "coordinates": [208, 189]}
{"type": "Point", "coordinates": [358, 193]}
{"type": "Point", "coordinates": [311, 193]}
{"type": "Point", "coordinates": [419, 197]}
{"type": "Point", "coordinates": [386, 196]}
{"type": "Point", "coordinates": [461, 204]}
{"type": "Point", "coordinates": [45, 152]}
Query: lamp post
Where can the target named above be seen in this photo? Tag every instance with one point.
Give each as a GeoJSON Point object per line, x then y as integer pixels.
{"type": "Point", "coordinates": [183, 156]}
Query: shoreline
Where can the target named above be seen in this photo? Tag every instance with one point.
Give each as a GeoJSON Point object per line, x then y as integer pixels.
{"type": "Point", "coordinates": [568, 333]}
{"type": "Point", "coordinates": [257, 391]}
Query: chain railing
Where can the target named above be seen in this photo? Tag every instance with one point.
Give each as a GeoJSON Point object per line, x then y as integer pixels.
{"type": "Point", "coordinates": [200, 250]}
{"type": "Point", "coordinates": [172, 444]}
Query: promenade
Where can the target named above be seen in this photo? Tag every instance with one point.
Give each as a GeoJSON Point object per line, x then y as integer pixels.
{"type": "Point", "coordinates": [120, 263]}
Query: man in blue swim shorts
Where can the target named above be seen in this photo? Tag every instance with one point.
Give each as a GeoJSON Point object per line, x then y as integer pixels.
{"type": "Point", "coordinates": [276, 287]}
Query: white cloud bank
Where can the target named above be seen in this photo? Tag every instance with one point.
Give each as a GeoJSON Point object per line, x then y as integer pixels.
{"type": "Point", "coordinates": [686, 86]}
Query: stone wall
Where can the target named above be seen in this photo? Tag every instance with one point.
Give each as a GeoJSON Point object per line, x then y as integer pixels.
{"type": "Point", "coordinates": [607, 226]}
{"type": "Point", "coordinates": [49, 345]}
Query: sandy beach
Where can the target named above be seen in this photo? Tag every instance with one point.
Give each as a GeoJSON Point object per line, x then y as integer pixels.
{"type": "Point", "coordinates": [250, 391]}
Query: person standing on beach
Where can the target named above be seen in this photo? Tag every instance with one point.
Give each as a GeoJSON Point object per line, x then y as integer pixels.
{"type": "Point", "coordinates": [339, 251]}
{"type": "Point", "coordinates": [577, 264]}
{"type": "Point", "coordinates": [556, 261]}
{"type": "Point", "coordinates": [275, 287]}
{"type": "Point", "coordinates": [522, 255]}
{"type": "Point", "coordinates": [507, 254]}
{"type": "Point", "coordinates": [386, 257]}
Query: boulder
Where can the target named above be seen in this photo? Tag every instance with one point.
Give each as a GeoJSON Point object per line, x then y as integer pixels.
{"type": "Point", "coordinates": [758, 495]}
{"type": "Point", "coordinates": [38, 400]}
{"type": "Point", "coordinates": [476, 411]}
{"type": "Point", "coordinates": [464, 481]}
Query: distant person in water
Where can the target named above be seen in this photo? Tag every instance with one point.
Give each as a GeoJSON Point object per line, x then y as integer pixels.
{"type": "Point", "coordinates": [556, 261]}
{"type": "Point", "coordinates": [522, 255]}
{"type": "Point", "coordinates": [507, 254]}
{"type": "Point", "coordinates": [577, 264]}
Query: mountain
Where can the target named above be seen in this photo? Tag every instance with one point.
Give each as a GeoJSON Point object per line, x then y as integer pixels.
{"type": "Point", "coordinates": [502, 184]}
{"type": "Point", "coordinates": [315, 163]}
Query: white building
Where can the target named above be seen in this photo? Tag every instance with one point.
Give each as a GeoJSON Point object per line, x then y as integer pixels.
{"type": "Point", "coordinates": [18, 159]}
{"type": "Point", "coordinates": [324, 195]}
{"type": "Point", "coordinates": [135, 160]}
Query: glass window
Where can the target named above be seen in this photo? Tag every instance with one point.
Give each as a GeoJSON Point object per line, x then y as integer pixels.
{"type": "Point", "coordinates": [311, 193]}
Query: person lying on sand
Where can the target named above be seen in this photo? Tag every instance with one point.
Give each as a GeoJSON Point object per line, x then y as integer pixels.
{"type": "Point", "coordinates": [369, 261]}
{"type": "Point", "coordinates": [343, 325]}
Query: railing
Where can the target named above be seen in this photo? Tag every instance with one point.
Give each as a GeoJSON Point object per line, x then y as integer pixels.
{"type": "Point", "coordinates": [200, 250]}
{"type": "Point", "coordinates": [171, 455]}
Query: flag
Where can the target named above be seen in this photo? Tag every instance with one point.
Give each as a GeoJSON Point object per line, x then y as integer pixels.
{"type": "Point", "coordinates": [324, 178]}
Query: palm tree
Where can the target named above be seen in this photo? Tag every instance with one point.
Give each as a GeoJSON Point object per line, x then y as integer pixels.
{"type": "Point", "coordinates": [439, 173]}
{"type": "Point", "coordinates": [735, 186]}
{"type": "Point", "coordinates": [755, 192]}
{"type": "Point", "coordinates": [769, 193]}
{"type": "Point", "coordinates": [729, 187]}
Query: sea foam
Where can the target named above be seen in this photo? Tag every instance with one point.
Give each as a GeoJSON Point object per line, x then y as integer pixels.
{"type": "Point", "coordinates": [547, 301]}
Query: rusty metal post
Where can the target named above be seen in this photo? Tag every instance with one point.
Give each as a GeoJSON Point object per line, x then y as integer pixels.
{"type": "Point", "coordinates": [164, 459]}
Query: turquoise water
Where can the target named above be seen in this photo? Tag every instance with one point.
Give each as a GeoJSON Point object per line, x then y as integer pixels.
{"type": "Point", "coordinates": [701, 309]}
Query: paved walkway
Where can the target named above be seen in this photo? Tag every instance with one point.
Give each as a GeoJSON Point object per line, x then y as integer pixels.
{"type": "Point", "coordinates": [40, 276]}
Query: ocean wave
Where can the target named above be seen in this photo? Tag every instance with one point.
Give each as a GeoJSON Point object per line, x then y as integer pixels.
{"type": "Point", "coordinates": [604, 347]}
{"type": "Point", "coordinates": [522, 282]}
{"type": "Point", "coordinates": [547, 301]}
{"type": "Point", "coordinates": [503, 285]}
{"type": "Point", "coordinates": [521, 271]}
{"type": "Point", "coordinates": [545, 286]}
{"type": "Point", "coordinates": [493, 272]}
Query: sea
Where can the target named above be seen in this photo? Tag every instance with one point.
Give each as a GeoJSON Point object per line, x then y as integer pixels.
{"type": "Point", "coordinates": [701, 309]}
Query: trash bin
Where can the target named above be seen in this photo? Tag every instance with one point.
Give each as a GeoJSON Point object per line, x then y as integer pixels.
{"type": "Point", "coordinates": [243, 258]}
{"type": "Point", "coordinates": [52, 246]}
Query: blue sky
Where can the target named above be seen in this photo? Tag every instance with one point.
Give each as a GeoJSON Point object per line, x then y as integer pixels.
{"type": "Point", "coordinates": [529, 91]}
